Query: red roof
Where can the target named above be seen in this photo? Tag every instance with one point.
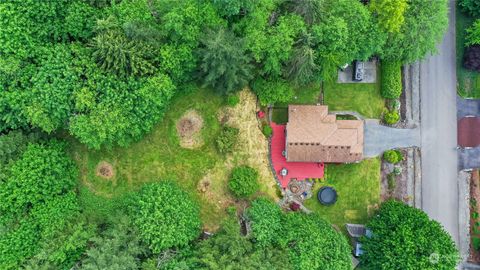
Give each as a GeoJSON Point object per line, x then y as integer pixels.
{"type": "Point", "coordinates": [469, 132]}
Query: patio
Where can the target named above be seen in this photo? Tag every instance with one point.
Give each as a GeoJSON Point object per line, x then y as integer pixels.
{"type": "Point", "coordinates": [295, 170]}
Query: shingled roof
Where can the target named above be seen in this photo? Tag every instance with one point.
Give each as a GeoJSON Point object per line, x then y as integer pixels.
{"type": "Point", "coordinates": [313, 135]}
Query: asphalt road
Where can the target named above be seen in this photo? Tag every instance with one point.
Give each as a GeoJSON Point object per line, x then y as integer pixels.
{"type": "Point", "coordinates": [439, 133]}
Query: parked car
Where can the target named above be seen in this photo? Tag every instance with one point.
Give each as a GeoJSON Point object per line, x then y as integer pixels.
{"type": "Point", "coordinates": [358, 71]}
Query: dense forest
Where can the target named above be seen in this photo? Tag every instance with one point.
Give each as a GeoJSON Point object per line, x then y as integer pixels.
{"type": "Point", "coordinates": [104, 72]}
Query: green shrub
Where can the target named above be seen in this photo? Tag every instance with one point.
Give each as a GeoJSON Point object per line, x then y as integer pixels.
{"type": "Point", "coordinates": [471, 7]}
{"type": "Point", "coordinates": [475, 215]}
{"type": "Point", "coordinates": [391, 181]}
{"type": "Point", "coordinates": [267, 131]}
{"type": "Point", "coordinates": [476, 243]}
{"type": "Point", "coordinates": [391, 117]}
{"type": "Point", "coordinates": [165, 216]}
{"type": "Point", "coordinates": [233, 100]}
{"type": "Point", "coordinates": [393, 104]}
{"type": "Point", "coordinates": [226, 139]}
{"type": "Point", "coordinates": [397, 170]}
{"type": "Point", "coordinates": [391, 79]}
{"type": "Point", "coordinates": [473, 34]}
{"type": "Point", "coordinates": [271, 92]}
{"type": "Point", "coordinates": [243, 181]}
{"type": "Point", "coordinates": [393, 156]}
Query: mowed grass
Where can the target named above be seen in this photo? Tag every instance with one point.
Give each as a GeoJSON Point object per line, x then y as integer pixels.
{"type": "Point", "coordinates": [468, 81]}
{"type": "Point", "coordinates": [358, 189]}
{"type": "Point", "coordinates": [363, 98]}
{"type": "Point", "coordinates": [158, 156]}
{"type": "Point", "coordinates": [280, 115]}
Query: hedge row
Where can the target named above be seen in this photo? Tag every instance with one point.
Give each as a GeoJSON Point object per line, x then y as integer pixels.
{"type": "Point", "coordinates": [391, 79]}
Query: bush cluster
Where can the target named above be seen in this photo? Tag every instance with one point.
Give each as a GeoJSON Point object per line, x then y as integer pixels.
{"type": "Point", "coordinates": [392, 182]}
{"type": "Point", "coordinates": [166, 216]}
{"type": "Point", "coordinates": [393, 156]}
{"type": "Point", "coordinates": [243, 181]}
{"type": "Point", "coordinates": [267, 131]}
{"type": "Point", "coordinates": [391, 79]}
{"type": "Point", "coordinates": [473, 34]}
{"type": "Point", "coordinates": [226, 139]}
{"type": "Point", "coordinates": [271, 92]}
{"type": "Point", "coordinates": [233, 100]}
{"type": "Point", "coordinates": [471, 7]}
{"type": "Point", "coordinates": [391, 117]}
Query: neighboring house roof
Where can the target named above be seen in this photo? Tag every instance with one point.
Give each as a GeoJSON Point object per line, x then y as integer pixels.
{"type": "Point", "coordinates": [469, 131]}
{"type": "Point", "coordinates": [313, 135]}
{"type": "Point", "coordinates": [356, 230]}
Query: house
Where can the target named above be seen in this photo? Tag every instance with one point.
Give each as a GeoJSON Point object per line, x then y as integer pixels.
{"type": "Point", "coordinates": [314, 135]}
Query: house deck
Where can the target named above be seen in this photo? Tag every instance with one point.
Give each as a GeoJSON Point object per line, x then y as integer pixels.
{"type": "Point", "coordinates": [296, 170]}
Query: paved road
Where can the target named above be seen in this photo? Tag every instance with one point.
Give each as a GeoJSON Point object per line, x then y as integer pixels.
{"type": "Point", "coordinates": [379, 138]}
{"type": "Point", "coordinates": [439, 133]}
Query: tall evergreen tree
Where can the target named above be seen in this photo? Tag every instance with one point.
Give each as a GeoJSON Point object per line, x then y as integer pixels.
{"type": "Point", "coordinates": [224, 63]}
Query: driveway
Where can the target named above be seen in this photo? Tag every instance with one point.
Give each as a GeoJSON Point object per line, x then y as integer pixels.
{"type": "Point", "coordinates": [438, 114]}
{"type": "Point", "coordinates": [379, 138]}
{"type": "Point", "coordinates": [469, 158]}
{"type": "Point", "coordinates": [466, 107]}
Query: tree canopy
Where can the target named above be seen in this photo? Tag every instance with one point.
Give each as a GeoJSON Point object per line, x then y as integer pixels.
{"type": "Point", "coordinates": [36, 200]}
{"type": "Point", "coordinates": [311, 242]}
{"type": "Point", "coordinates": [165, 216]}
{"type": "Point", "coordinates": [406, 238]}
{"type": "Point", "coordinates": [424, 26]}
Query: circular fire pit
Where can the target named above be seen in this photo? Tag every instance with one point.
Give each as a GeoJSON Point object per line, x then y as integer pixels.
{"type": "Point", "coordinates": [327, 195]}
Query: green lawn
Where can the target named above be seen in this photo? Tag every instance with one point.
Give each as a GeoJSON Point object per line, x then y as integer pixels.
{"type": "Point", "coordinates": [468, 81]}
{"type": "Point", "coordinates": [280, 115]}
{"type": "Point", "coordinates": [363, 98]}
{"type": "Point", "coordinates": [358, 189]}
{"type": "Point", "coordinates": [158, 156]}
{"type": "Point", "coordinates": [304, 95]}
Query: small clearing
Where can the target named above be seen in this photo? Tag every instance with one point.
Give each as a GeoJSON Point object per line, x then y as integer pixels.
{"type": "Point", "coordinates": [189, 130]}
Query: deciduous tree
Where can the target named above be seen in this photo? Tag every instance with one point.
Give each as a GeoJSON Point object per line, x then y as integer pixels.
{"type": "Point", "coordinates": [424, 26]}
{"type": "Point", "coordinates": [389, 13]}
{"type": "Point", "coordinates": [404, 237]}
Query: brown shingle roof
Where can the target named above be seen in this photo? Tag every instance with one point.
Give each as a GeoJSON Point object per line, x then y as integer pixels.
{"type": "Point", "coordinates": [313, 135]}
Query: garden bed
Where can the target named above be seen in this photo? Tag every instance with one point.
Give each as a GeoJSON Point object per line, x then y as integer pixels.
{"type": "Point", "coordinates": [474, 218]}
{"type": "Point", "coordinates": [398, 190]}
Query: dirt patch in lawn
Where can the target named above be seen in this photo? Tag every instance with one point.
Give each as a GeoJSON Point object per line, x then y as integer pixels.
{"type": "Point", "coordinates": [188, 130]}
{"type": "Point", "coordinates": [104, 170]}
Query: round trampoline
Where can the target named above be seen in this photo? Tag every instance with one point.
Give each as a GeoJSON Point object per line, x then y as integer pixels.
{"type": "Point", "coordinates": [327, 195]}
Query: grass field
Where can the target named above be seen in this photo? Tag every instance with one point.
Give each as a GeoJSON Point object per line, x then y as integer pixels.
{"type": "Point", "coordinates": [468, 81]}
{"type": "Point", "coordinates": [358, 189]}
{"type": "Point", "coordinates": [360, 97]}
{"type": "Point", "coordinates": [159, 156]}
